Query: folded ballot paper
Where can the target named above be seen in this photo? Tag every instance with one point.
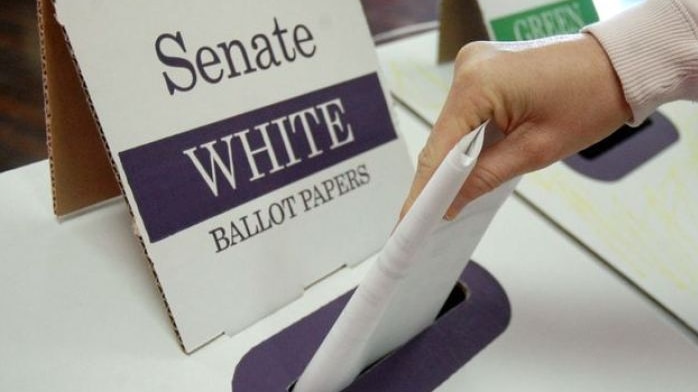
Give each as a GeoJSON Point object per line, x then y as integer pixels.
{"type": "Point", "coordinates": [412, 276]}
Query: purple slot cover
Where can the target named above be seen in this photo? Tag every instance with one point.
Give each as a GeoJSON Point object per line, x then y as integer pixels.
{"type": "Point", "coordinates": [420, 365]}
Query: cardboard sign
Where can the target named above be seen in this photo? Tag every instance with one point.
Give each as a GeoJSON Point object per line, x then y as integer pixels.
{"type": "Point", "coordinates": [538, 19]}
{"type": "Point", "coordinates": [253, 142]}
{"type": "Point", "coordinates": [504, 20]}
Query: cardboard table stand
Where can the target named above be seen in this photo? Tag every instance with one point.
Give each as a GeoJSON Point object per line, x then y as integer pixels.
{"type": "Point", "coordinates": [253, 142]}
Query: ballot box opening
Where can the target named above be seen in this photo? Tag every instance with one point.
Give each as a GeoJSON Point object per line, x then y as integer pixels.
{"type": "Point", "coordinates": [458, 295]}
{"type": "Point", "coordinates": [625, 150]}
{"type": "Point", "coordinates": [470, 320]}
{"type": "Point", "coordinates": [625, 132]}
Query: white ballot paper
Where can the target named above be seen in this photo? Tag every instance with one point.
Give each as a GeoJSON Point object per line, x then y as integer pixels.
{"type": "Point", "coordinates": [414, 273]}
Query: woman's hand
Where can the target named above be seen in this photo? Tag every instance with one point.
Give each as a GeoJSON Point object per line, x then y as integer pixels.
{"type": "Point", "coordinates": [551, 98]}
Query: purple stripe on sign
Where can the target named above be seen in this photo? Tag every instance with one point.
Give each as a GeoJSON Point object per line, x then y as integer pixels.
{"type": "Point", "coordinates": [185, 179]}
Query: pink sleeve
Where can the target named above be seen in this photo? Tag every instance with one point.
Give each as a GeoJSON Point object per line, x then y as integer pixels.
{"type": "Point", "coordinates": [654, 50]}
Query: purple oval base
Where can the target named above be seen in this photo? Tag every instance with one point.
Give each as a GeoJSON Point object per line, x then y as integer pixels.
{"type": "Point", "coordinates": [421, 365]}
{"type": "Point", "coordinates": [621, 157]}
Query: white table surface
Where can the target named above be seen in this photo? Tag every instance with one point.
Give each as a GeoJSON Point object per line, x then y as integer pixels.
{"type": "Point", "coordinates": [79, 309]}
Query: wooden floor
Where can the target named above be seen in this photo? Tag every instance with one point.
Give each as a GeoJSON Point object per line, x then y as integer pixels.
{"type": "Point", "coordinates": [22, 134]}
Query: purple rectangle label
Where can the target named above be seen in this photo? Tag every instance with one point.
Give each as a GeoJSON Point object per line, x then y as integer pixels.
{"type": "Point", "coordinates": [187, 178]}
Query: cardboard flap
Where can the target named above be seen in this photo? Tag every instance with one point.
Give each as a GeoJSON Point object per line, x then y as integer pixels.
{"type": "Point", "coordinates": [81, 172]}
{"type": "Point", "coordinates": [461, 22]}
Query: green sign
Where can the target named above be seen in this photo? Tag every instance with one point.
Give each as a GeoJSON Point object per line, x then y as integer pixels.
{"type": "Point", "coordinates": [563, 17]}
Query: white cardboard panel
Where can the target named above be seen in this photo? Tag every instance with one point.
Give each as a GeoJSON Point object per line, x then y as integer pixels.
{"type": "Point", "coordinates": [131, 54]}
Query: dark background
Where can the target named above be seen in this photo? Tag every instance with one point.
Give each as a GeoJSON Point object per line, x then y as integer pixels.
{"type": "Point", "coordinates": [22, 131]}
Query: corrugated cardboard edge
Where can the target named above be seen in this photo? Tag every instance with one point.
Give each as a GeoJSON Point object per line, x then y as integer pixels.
{"type": "Point", "coordinates": [461, 22]}
{"type": "Point", "coordinates": [81, 174]}
{"type": "Point", "coordinates": [77, 101]}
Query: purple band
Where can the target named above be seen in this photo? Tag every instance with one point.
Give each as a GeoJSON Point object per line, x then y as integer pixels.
{"type": "Point", "coordinates": [305, 135]}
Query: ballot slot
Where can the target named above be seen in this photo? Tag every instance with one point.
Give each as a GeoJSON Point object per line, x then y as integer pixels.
{"type": "Point", "coordinates": [624, 151]}
{"type": "Point", "coordinates": [456, 297]}
{"type": "Point", "coordinates": [475, 314]}
{"type": "Point", "coordinates": [616, 138]}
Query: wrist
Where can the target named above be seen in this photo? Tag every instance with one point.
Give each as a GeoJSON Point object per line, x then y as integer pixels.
{"type": "Point", "coordinates": [652, 48]}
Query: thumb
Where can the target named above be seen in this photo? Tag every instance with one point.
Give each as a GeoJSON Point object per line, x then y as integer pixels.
{"type": "Point", "coordinates": [520, 152]}
{"type": "Point", "coordinates": [457, 118]}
